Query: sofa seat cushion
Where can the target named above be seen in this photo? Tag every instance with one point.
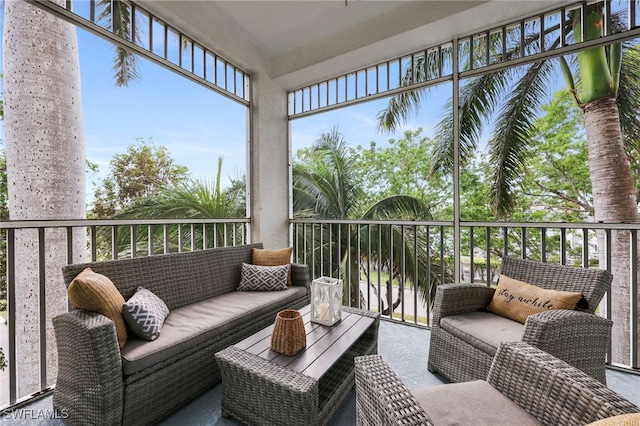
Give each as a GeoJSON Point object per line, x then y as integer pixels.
{"type": "Point", "coordinates": [483, 330]}
{"type": "Point", "coordinates": [471, 403]}
{"type": "Point", "coordinates": [193, 324]}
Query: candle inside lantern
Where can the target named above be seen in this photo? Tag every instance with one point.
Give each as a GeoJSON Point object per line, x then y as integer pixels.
{"type": "Point", "coordinates": [324, 312]}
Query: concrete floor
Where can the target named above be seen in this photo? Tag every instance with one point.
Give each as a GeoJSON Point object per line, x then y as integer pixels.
{"type": "Point", "coordinates": [405, 349]}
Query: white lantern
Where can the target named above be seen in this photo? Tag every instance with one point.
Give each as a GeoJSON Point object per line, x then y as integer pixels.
{"type": "Point", "coordinates": [326, 300]}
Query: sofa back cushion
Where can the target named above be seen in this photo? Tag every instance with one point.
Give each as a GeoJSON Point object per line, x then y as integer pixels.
{"type": "Point", "coordinates": [178, 279]}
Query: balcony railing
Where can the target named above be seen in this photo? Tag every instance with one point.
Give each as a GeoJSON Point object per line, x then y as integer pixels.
{"type": "Point", "coordinates": [31, 280]}
{"type": "Point", "coordinates": [364, 252]}
{"type": "Point", "coordinates": [421, 254]}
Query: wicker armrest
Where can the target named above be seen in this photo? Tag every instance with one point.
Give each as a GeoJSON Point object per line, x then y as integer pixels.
{"type": "Point", "coordinates": [579, 338]}
{"type": "Point", "coordinates": [550, 389]}
{"type": "Point", "coordinates": [381, 397]}
{"type": "Point", "coordinates": [452, 299]}
{"type": "Point", "coordinates": [89, 385]}
{"type": "Point", "coordinates": [301, 275]}
{"type": "Point", "coordinates": [267, 385]}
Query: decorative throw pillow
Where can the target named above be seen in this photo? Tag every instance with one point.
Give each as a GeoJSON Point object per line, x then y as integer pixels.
{"type": "Point", "coordinates": [517, 300]}
{"type": "Point", "coordinates": [273, 257]}
{"type": "Point", "coordinates": [95, 292]}
{"type": "Point", "coordinates": [261, 278]}
{"type": "Point", "coordinates": [145, 313]}
{"type": "Point", "coordinates": [630, 419]}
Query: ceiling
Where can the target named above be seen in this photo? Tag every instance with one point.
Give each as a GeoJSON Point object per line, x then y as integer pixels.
{"type": "Point", "coordinates": [304, 41]}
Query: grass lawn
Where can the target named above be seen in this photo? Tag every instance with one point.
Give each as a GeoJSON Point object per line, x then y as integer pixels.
{"type": "Point", "coordinates": [407, 317]}
{"type": "Point", "coordinates": [374, 277]}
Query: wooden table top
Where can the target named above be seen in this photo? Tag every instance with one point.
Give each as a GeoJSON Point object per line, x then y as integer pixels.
{"type": "Point", "coordinates": [325, 345]}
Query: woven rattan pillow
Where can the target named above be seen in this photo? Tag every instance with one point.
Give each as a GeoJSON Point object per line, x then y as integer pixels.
{"type": "Point", "coordinates": [95, 292]}
{"type": "Point", "coordinates": [517, 300]}
{"type": "Point", "coordinates": [273, 257]}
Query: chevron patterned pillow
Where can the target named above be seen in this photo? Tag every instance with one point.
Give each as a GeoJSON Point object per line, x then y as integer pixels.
{"type": "Point", "coordinates": [263, 278]}
{"type": "Point", "coordinates": [145, 313]}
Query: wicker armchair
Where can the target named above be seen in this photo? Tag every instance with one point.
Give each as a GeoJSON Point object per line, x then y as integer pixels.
{"type": "Point", "coordinates": [464, 351]}
{"type": "Point", "coordinates": [525, 386]}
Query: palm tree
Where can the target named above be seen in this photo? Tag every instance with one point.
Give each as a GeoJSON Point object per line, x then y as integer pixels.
{"type": "Point", "coordinates": [604, 82]}
{"type": "Point", "coordinates": [326, 188]}
{"type": "Point", "coordinates": [45, 160]}
{"type": "Point", "coordinates": [45, 167]}
{"type": "Point", "coordinates": [191, 199]}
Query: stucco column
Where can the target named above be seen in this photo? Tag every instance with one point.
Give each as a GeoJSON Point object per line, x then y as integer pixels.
{"type": "Point", "coordinates": [269, 163]}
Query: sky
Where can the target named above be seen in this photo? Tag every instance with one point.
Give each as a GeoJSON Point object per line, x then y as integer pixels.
{"type": "Point", "coordinates": [198, 125]}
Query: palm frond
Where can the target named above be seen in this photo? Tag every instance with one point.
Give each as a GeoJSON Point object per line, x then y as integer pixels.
{"type": "Point", "coordinates": [508, 147]}
{"type": "Point", "coordinates": [202, 199]}
{"type": "Point", "coordinates": [629, 97]}
{"type": "Point", "coordinates": [399, 207]}
{"type": "Point", "coordinates": [399, 109]}
{"type": "Point", "coordinates": [478, 98]}
{"type": "Point", "coordinates": [329, 188]}
{"type": "Point", "coordinates": [477, 102]}
{"type": "Point", "coordinates": [116, 15]}
{"type": "Point", "coordinates": [404, 252]}
{"type": "Point", "coordinates": [403, 105]}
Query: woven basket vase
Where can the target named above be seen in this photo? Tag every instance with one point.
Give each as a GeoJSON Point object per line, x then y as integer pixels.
{"type": "Point", "coordinates": [289, 336]}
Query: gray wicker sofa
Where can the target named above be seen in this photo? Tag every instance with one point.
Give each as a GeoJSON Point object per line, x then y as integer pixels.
{"type": "Point", "coordinates": [100, 383]}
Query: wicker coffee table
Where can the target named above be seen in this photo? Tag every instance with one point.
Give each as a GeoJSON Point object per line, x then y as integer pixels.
{"type": "Point", "coordinates": [263, 387]}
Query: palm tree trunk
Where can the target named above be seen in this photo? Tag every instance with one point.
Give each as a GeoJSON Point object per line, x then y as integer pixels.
{"type": "Point", "coordinates": [45, 170]}
{"type": "Point", "coordinates": [614, 201]}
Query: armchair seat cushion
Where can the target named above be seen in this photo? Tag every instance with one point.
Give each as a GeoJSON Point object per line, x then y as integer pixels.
{"type": "Point", "coordinates": [471, 403]}
{"type": "Point", "coordinates": [191, 325]}
{"type": "Point", "coordinates": [483, 330]}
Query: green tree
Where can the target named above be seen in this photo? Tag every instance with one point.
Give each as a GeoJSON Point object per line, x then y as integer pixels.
{"type": "Point", "coordinates": [402, 167]}
{"type": "Point", "coordinates": [188, 199]}
{"type": "Point", "coordinates": [558, 174]}
{"type": "Point", "coordinates": [143, 171]}
{"type": "Point", "coordinates": [604, 83]}
{"type": "Point", "coordinates": [325, 185]}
